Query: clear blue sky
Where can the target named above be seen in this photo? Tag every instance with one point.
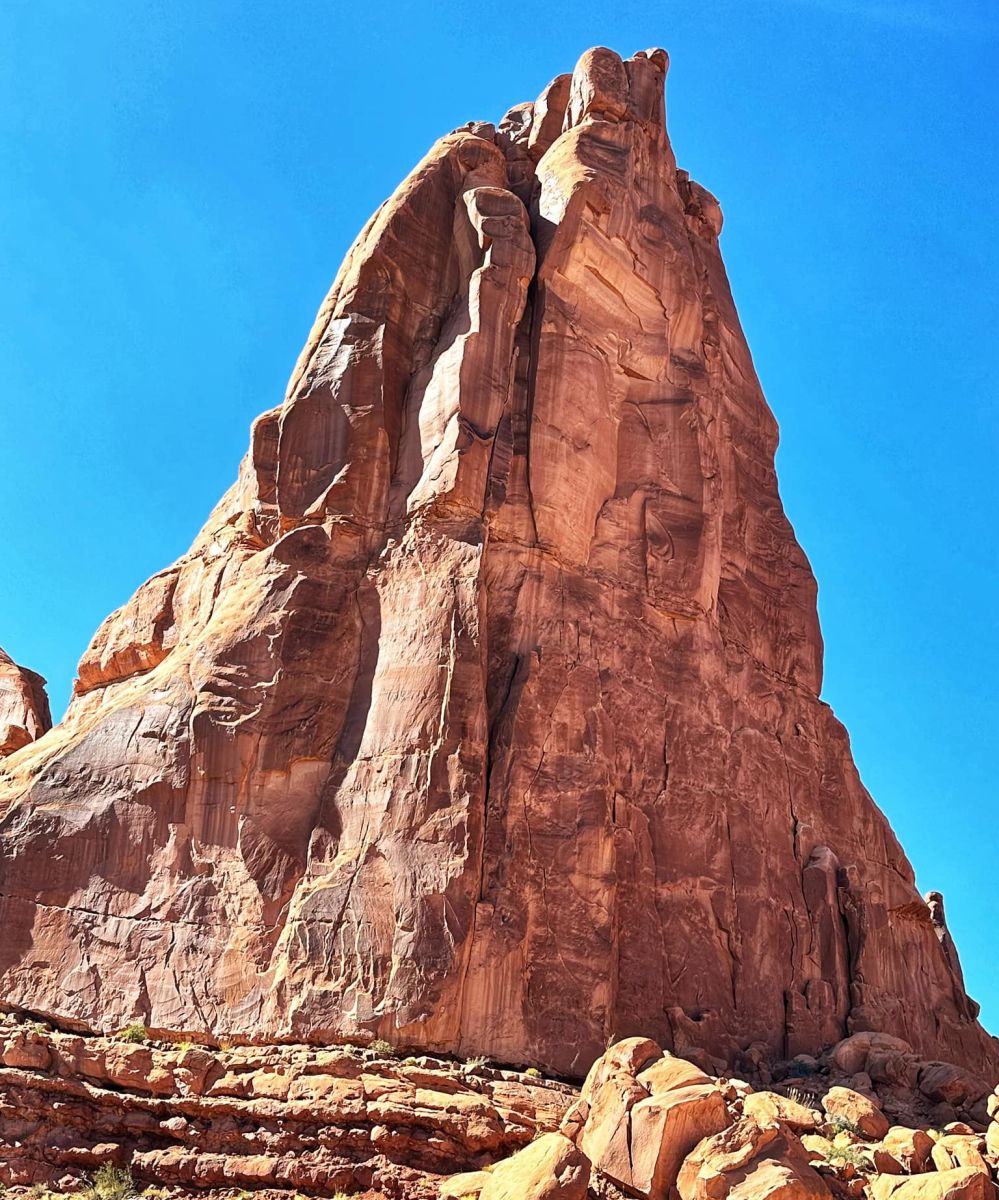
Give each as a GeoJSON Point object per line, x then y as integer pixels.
{"type": "Point", "coordinates": [179, 183]}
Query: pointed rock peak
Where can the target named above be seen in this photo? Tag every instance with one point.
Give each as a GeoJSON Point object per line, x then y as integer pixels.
{"type": "Point", "coordinates": [483, 715]}
{"type": "Point", "coordinates": [24, 706]}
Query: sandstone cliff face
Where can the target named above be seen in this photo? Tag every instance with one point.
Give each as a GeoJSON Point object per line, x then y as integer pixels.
{"type": "Point", "coordinates": [483, 714]}
{"type": "Point", "coordinates": [24, 706]}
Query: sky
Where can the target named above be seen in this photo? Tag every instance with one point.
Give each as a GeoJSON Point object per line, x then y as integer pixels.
{"type": "Point", "coordinates": [179, 182]}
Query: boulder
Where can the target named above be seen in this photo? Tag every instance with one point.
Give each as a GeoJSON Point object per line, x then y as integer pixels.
{"type": "Point", "coordinates": [862, 1113]}
{"type": "Point", "coordinates": [950, 1084]}
{"type": "Point", "coordinates": [959, 1150]}
{"type": "Point", "coordinates": [627, 1057]}
{"type": "Point", "coordinates": [606, 1134]}
{"type": "Point", "coordinates": [665, 1128]}
{"type": "Point", "coordinates": [767, 1108]}
{"type": "Point", "coordinates": [750, 1162]}
{"type": "Point", "coordinates": [460, 1187]}
{"type": "Point", "coordinates": [669, 1073]}
{"type": "Point", "coordinates": [962, 1183]}
{"type": "Point", "coordinates": [549, 1168]}
{"type": "Point", "coordinates": [903, 1151]}
{"type": "Point", "coordinates": [882, 1058]}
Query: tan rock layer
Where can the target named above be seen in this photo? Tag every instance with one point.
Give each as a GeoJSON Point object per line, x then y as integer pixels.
{"type": "Point", "coordinates": [292, 1118]}
{"type": "Point", "coordinates": [483, 714]}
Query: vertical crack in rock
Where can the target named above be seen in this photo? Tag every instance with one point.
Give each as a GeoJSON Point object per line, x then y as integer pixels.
{"type": "Point", "coordinates": [464, 721]}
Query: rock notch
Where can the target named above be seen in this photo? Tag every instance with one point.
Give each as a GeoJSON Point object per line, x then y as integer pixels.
{"type": "Point", "coordinates": [483, 715]}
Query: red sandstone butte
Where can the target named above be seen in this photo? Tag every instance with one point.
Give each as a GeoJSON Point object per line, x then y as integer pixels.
{"type": "Point", "coordinates": [24, 706]}
{"type": "Point", "coordinates": [483, 715]}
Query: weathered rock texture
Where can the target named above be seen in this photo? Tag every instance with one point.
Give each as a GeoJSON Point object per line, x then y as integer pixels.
{"type": "Point", "coordinates": [483, 714]}
{"type": "Point", "coordinates": [24, 706]}
{"type": "Point", "coordinates": [294, 1118]}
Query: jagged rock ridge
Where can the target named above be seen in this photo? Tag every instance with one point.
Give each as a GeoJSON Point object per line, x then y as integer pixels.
{"type": "Point", "coordinates": [483, 714]}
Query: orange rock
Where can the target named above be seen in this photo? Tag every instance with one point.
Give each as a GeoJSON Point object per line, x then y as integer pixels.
{"type": "Point", "coordinates": [24, 706]}
{"type": "Point", "coordinates": [948, 1083]}
{"type": "Point", "coordinates": [606, 1137]}
{"type": "Point", "coordinates": [415, 741]}
{"type": "Point", "coordinates": [664, 1130]}
{"type": "Point", "coordinates": [767, 1108]}
{"type": "Point", "coordinates": [460, 1187]}
{"type": "Point", "coordinates": [750, 1162]}
{"type": "Point", "coordinates": [669, 1073]}
{"type": "Point", "coordinates": [628, 1057]}
{"type": "Point", "coordinates": [858, 1110]}
{"type": "Point", "coordinates": [959, 1150]}
{"type": "Point", "coordinates": [960, 1184]}
{"type": "Point", "coordinates": [548, 1168]}
{"type": "Point", "coordinates": [903, 1151]}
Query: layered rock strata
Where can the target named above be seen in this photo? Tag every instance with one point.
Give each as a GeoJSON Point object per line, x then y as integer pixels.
{"type": "Point", "coordinates": [294, 1120]}
{"type": "Point", "coordinates": [483, 715]}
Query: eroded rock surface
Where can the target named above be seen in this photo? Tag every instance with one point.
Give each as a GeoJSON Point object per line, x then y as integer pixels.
{"type": "Point", "coordinates": [296, 1119]}
{"type": "Point", "coordinates": [286, 1121]}
{"type": "Point", "coordinates": [24, 706]}
{"type": "Point", "coordinates": [483, 715]}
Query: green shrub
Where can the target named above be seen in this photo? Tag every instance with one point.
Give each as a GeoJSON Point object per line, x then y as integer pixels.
{"type": "Point", "coordinates": [136, 1032]}
{"type": "Point", "coordinates": [849, 1154]}
{"type": "Point", "coordinates": [844, 1125]}
{"type": "Point", "coordinates": [380, 1046]}
{"type": "Point", "coordinates": [112, 1183]}
{"type": "Point", "coordinates": [533, 1072]}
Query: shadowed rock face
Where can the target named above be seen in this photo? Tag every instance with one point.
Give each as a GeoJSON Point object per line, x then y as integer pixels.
{"type": "Point", "coordinates": [24, 706]}
{"type": "Point", "coordinates": [483, 714]}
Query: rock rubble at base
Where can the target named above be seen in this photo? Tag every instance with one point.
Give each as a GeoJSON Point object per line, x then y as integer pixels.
{"type": "Point", "coordinates": [293, 1118]}
{"type": "Point", "coordinates": [282, 1120]}
{"type": "Point", "coordinates": [728, 1142]}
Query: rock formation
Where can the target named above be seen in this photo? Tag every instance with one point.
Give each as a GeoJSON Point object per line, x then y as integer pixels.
{"type": "Point", "coordinates": [24, 706]}
{"type": "Point", "coordinates": [483, 715]}
{"type": "Point", "coordinates": [293, 1120]}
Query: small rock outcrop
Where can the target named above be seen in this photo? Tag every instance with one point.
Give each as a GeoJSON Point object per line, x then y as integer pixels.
{"type": "Point", "coordinates": [24, 706]}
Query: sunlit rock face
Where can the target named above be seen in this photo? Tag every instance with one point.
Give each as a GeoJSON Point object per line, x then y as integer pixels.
{"type": "Point", "coordinates": [24, 706]}
{"type": "Point", "coordinates": [483, 714]}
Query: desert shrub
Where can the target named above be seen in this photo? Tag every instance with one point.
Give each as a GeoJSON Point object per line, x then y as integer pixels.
{"type": "Point", "coordinates": [380, 1046]}
{"type": "Point", "coordinates": [848, 1154]}
{"type": "Point", "coordinates": [112, 1183]}
{"type": "Point", "coordinates": [136, 1032]}
{"type": "Point", "coordinates": [844, 1125]}
{"type": "Point", "coordinates": [476, 1063]}
{"type": "Point", "coordinates": [533, 1072]}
